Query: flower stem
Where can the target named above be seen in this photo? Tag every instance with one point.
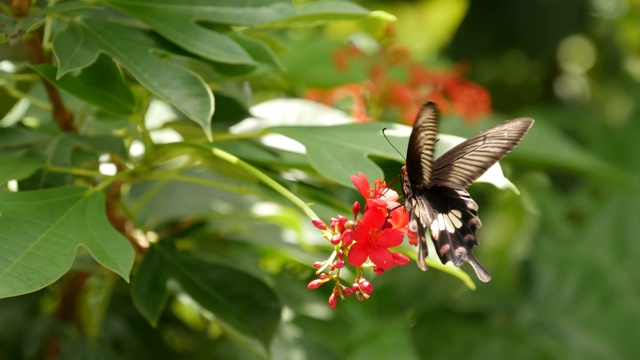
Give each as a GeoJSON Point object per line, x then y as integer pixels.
{"type": "Point", "coordinates": [223, 155]}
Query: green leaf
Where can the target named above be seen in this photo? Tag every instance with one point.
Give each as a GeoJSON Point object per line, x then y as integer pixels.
{"type": "Point", "coordinates": [320, 12]}
{"type": "Point", "coordinates": [18, 168]}
{"type": "Point", "coordinates": [240, 302]}
{"type": "Point", "coordinates": [13, 28]}
{"type": "Point", "coordinates": [338, 152]}
{"type": "Point", "coordinates": [19, 137]}
{"type": "Point", "coordinates": [84, 39]}
{"type": "Point", "coordinates": [40, 232]}
{"type": "Point", "coordinates": [100, 84]}
{"type": "Point", "coordinates": [177, 21]}
{"type": "Point", "coordinates": [546, 146]}
{"type": "Point", "coordinates": [61, 149]}
{"type": "Point", "coordinates": [259, 51]}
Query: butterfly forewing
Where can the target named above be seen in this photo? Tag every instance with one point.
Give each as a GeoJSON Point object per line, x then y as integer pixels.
{"type": "Point", "coordinates": [460, 166]}
{"type": "Point", "coordinates": [434, 191]}
{"type": "Point", "coordinates": [422, 143]}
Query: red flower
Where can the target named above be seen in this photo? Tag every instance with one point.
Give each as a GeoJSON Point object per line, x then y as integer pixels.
{"type": "Point", "coordinates": [362, 184]}
{"type": "Point", "coordinates": [380, 191]}
{"type": "Point", "coordinates": [373, 240]}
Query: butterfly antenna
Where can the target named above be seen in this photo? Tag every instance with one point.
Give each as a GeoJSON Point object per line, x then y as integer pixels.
{"type": "Point", "coordinates": [394, 148]}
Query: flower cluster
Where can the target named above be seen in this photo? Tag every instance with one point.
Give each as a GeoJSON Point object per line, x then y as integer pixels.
{"type": "Point", "coordinates": [384, 89]}
{"type": "Point", "coordinates": [382, 225]}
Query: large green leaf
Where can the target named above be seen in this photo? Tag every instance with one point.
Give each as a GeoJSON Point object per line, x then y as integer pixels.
{"type": "Point", "coordinates": [240, 302]}
{"type": "Point", "coordinates": [341, 151]}
{"type": "Point", "coordinates": [178, 21]}
{"type": "Point", "coordinates": [319, 12]}
{"type": "Point", "coordinates": [20, 137]}
{"type": "Point", "coordinates": [100, 84]}
{"type": "Point", "coordinates": [18, 168]}
{"type": "Point", "coordinates": [40, 232]}
{"type": "Point", "coordinates": [80, 44]}
{"type": "Point", "coordinates": [14, 28]}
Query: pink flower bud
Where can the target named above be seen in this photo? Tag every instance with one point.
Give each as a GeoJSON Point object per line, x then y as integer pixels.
{"type": "Point", "coordinates": [355, 288]}
{"type": "Point", "coordinates": [333, 301]}
{"type": "Point", "coordinates": [335, 239]}
{"type": "Point", "coordinates": [314, 284]}
{"type": "Point", "coordinates": [318, 264]}
{"type": "Point", "coordinates": [319, 224]}
{"type": "Point", "coordinates": [339, 264]}
{"type": "Point", "coordinates": [355, 209]}
{"type": "Point", "coordinates": [341, 221]}
{"type": "Point", "coordinates": [378, 270]}
{"type": "Point", "coordinates": [347, 290]}
{"type": "Point", "coordinates": [366, 286]}
{"type": "Point", "coordinates": [347, 237]}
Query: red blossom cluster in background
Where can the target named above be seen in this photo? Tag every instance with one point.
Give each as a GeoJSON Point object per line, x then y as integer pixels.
{"type": "Point", "coordinates": [382, 226]}
{"type": "Point", "coordinates": [382, 90]}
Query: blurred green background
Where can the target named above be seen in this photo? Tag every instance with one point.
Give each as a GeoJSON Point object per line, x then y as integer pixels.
{"type": "Point", "coordinates": [564, 254]}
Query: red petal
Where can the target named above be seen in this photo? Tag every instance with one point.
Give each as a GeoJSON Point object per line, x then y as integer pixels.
{"type": "Point", "coordinates": [362, 184]}
{"type": "Point", "coordinates": [399, 219]}
{"type": "Point", "coordinates": [376, 203]}
{"type": "Point", "coordinates": [389, 238]}
{"type": "Point", "coordinates": [358, 254]}
{"type": "Point", "coordinates": [371, 221]}
{"type": "Point", "coordinates": [381, 257]}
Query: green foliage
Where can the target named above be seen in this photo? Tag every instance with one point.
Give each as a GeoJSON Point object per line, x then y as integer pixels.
{"type": "Point", "coordinates": [139, 160]}
{"type": "Point", "coordinates": [41, 231]}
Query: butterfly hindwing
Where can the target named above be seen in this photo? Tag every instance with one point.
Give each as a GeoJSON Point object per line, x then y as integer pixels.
{"type": "Point", "coordinates": [453, 227]}
{"type": "Point", "coordinates": [420, 213]}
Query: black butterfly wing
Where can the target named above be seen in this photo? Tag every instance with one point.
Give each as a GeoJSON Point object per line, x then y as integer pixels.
{"type": "Point", "coordinates": [464, 163]}
{"type": "Point", "coordinates": [434, 191]}
{"type": "Point", "coordinates": [417, 173]}
{"type": "Point", "coordinates": [454, 225]}
{"type": "Point", "coordinates": [422, 143]}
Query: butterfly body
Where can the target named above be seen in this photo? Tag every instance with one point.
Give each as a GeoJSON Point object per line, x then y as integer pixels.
{"type": "Point", "coordinates": [435, 190]}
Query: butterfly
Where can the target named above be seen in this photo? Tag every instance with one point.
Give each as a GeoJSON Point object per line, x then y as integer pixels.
{"type": "Point", "coordinates": [435, 190]}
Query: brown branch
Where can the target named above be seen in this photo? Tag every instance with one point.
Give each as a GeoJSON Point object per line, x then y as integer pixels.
{"type": "Point", "coordinates": [61, 114]}
{"type": "Point", "coordinates": [121, 222]}
{"type": "Point", "coordinates": [20, 7]}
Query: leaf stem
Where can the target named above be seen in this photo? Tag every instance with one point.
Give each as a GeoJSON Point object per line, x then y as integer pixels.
{"type": "Point", "coordinates": [73, 171]}
{"type": "Point", "coordinates": [223, 155]}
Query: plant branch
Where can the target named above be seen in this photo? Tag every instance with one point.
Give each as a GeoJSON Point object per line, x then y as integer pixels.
{"type": "Point", "coordinates": [62, 115]}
